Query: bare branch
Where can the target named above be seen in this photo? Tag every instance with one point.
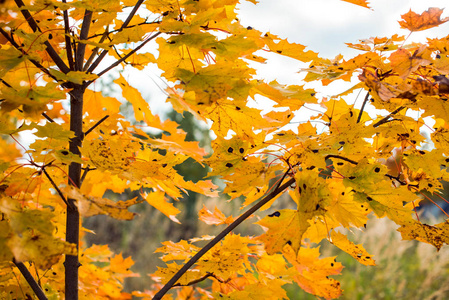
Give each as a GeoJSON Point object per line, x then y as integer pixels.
{"type": "Point", "coordinates": [203, 278]}
{"type": "Point", "coordinates": [30, 279]}
{"type": "Point", "coordinates": [220, 236]}
{"type": "Point", "coordinates": [86, 170]}
{"type": "Point", "coordinates": [197, 280]}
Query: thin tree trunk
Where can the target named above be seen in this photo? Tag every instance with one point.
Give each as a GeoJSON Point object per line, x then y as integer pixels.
{"type": "Point", "coordinates": [73, 218]}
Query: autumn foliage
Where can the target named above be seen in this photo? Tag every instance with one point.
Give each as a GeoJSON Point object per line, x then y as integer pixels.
{"type": "Point", "coordinates": [53, 51]}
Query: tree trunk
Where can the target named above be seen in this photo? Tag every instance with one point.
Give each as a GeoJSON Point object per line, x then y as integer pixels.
{"type": "Point", "coordinates": [73, 218]}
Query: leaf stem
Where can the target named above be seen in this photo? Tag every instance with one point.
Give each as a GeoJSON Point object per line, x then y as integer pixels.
{"type": "Point", "coordinates": [220, 236]}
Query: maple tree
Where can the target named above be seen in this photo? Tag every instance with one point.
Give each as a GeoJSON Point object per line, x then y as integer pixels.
{"type": "Point", "coordinates": [51, 53]}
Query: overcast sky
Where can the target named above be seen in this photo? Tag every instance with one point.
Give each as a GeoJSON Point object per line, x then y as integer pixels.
{"type": "Point", "coordinates": [325, 25]}
{"type": "Point", "coordinates": [322, 25]}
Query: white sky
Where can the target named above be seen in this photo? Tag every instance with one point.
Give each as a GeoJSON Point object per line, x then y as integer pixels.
{"type": "Point", "coordinates": [322, 25]}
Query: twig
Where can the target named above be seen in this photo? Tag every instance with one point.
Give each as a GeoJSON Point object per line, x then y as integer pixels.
{"type": "Point", "coordinates": [56, 187]}
{"type": "Point", "coordinates": [386, 119]}
{"type": "Point", "coordinates": [363, 106]}
{"type": "Point", "coordinates": [104, 52]}
{"type": "Point", "coordinates": [30, 279]}
{"type": "Point", "coordinates": [96, 49]}
{"type": "Point", "coordinates": [48, 118]}
{"type": "Point", "coordinates": [203, 278]}
{"type": "Point", "coordinates": [197, 280]}
{"type": "Point", "coordinates": [342, 158]}
{"type": "Point", "coordinates": [221, 235]}
{"type": "Point", "coordinates": [96, 124]}
{"type": "Point", "coordinates": [118, 30]}
{"type": "Point", "coordinates": [86, 170]}
{"type": "Point", "coordinates": [49, 48]}
{"type": "Point", "coordinates": [396, 178]}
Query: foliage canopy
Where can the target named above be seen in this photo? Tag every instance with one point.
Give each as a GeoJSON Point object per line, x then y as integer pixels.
{"type": "Point", "coordinates": [380, 163]}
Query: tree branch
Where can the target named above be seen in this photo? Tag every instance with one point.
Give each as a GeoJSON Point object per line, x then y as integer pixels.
{"type": "Point", "coordinates": [104, 52]}
{"type": "Point", "coordinates": [363, 107]}
{"type": "Point", "coordinates": [48, 118]}
{"type": "Point", "coordinates": [68, 42]}
{"type": "Point", "coordinates": [55, 187]}
{"type": "Point", "coordinates": [387, 118]}
{"type": "Point", "coordinates": [30, 279]}
{"type": "Point", "coordinates": [96, 49]}
{"type": "Point", "coordinates": [49, 48]}
{"type": "Point", "coordinates": [96, 124]}
{"type": "Point", "coordinates": [203, 278]}
{"type": "Point", "coordinates": [220, 236]}
{"type": "Point", "coordinates": [86, 170]}
{"type": "Point", "coordinates": [342, 158]}
{"type": "Point", "coordinates": [81, 49]}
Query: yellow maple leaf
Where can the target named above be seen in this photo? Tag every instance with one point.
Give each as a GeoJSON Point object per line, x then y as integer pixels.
{"type": "Point", "coordinates": [357, 251]}
{"type": "Point", "coordinates": [312, 272]}
{"type": "Point", "coordinates": [177, 251]}
{"type": "Point", "coordinates": [158, 201]}
{"type": "Point", "coordinates": [436, 235]}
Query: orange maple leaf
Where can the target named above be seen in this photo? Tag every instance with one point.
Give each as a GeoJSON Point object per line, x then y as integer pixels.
{"type": "Point", "coordinates": [428, 19]}
{"type": "Point", "coordinates": [363, 3]}
{"type": "Point", "coordinates": [215, 218]}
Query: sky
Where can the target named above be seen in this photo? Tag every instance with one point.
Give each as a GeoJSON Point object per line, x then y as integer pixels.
{"type": "Point", "coordinates": [322, 25]}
